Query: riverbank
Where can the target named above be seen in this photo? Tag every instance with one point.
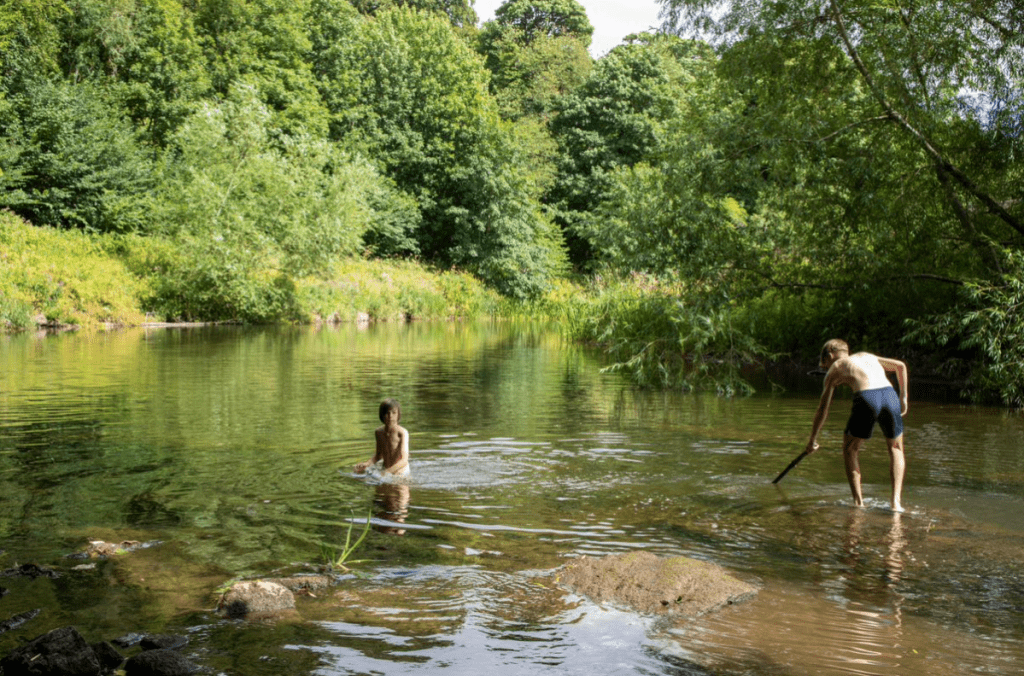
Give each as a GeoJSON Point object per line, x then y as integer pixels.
{"type": "Point", "coordinates": [65, 279]}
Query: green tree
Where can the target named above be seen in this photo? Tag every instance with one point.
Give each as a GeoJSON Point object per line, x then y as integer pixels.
{"type": "Point", "coordinates": [410, 92]}
{"type": "Point", "coordinates": [616, 119]}
{"type": "Point", "coordinates": [264, 43]}
{"type": "Point", "coordinates": [145, 51]}
{"type": "Point", "coordinates": [28, 35]}
{"type": "Point", "coordinates": [529, 77]}
{"type": "Point", "coordinates": [251, 212]}
{"type": "Point", "coordinates": [71, 159]}
{"type": "Point", "coordinates": [945, 76]}
{"type": "Point", "coordinates": [459, 12]}
{"type": "Point", "coordinates": [546, 18]}
{"type": "Point", "coordinates": [531, 71]}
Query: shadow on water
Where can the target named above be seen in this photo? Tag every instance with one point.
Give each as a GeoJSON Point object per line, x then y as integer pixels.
{"type": "Point", "coordinates": [234, 448]}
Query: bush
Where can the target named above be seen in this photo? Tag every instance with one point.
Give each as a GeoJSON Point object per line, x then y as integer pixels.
{"type": "Point", "coordinates": [989, 326]}
{"type": "Point", "coordinates": [666, 335]}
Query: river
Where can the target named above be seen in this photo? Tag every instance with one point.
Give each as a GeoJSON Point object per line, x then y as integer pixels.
{"type": "Point", "coordinates": [232, 448]}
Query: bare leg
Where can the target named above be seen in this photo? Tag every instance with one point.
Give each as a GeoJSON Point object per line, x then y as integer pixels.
{"type": "Point", "coordinates": [851, 453]}
{"type": "Point", "coordinates": [897, 467]}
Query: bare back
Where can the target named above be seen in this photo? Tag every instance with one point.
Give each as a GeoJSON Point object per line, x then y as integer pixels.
{"type": "Point", "coordinates": [861, 371]}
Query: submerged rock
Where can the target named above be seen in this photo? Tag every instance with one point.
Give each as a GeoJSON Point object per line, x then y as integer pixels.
{"type": "Point", "coordinates": [256, 598]}
{"type": "Point", "coordinates": [62, 652]}
{"type": "Point", "coordinates": [303, 583]}
{"type": "Point", "coordinates": [650, 584]}
{"type": "Point", "coordinates": [107, 655]}
{"type": "Point", "coordinates": [18, 620]}
{"type": "Point", "coordinates": [163, 662]}
{"type": "Point", "coordinates": [98, 549]}
{"type": "Point", "coordinates": [163, 641]}
{"type": "Point", "coordinates": [128, 640]}
{"type": "Point", "coordinates": [29, 570]}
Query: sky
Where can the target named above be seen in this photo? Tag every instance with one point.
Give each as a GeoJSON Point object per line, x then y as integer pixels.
{"type": "Point", "coordinates": [612, 19]}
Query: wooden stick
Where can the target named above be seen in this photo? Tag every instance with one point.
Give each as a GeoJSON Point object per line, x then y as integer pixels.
{"type": "Point", "coordinates": [790, 466]}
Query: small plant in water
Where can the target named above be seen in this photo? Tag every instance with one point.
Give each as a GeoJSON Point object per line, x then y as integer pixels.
{"type": "Point", "coordinates": [335, 559]}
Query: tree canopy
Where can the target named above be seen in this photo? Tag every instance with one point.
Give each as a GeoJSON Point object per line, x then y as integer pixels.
{"type": "Point", "coordinates": [546, 18]}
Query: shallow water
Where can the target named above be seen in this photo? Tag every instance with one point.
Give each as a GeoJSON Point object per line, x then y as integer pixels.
{"type": "Point", "coordinates": [233, 448]}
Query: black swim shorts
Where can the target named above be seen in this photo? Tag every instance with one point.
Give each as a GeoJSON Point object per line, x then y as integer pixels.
{"type": "Point", "coordinates": [871, 406]}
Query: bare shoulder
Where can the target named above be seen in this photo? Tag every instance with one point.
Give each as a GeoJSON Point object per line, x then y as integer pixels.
{"type": "Point", "coordinates": [890, 364]}
{"type": "Point", "coordinates": [840, 371]}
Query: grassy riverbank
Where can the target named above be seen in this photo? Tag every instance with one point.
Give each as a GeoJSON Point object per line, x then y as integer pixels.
{"type": "Point", "coordinates": [70, 278]}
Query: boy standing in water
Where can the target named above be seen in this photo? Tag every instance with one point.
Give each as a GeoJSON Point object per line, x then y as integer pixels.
{"type": "Point", "coordinates": [392, 442]}
{"type": "Point", "coordinates": [874, 400]}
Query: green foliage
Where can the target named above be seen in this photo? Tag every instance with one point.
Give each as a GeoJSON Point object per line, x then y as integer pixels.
{"type": "Point", "coordinates": [251, 214]}
{"type": "Point", "coordinates": [66, 276]}
{"type": "Point", "coordinates": [71, 160]}
{"type": "Point", "coordinates": [530, 77]}
{"type": "Point", "coordinates": [668, 335]}
{"type": "Point", "coordinates": [29, 41]}
{"type": "Point", "coordinates": [616, 119]}
{"type": "Point", "coordinates": [459, 12]}
{"type": "Point", "coordinates": [989, 321]}
{"type": "Point", "coordinates": [264, 44]}
{"type": "Point", "coordinates": [147, 54]}
{"type": "Point", "coordinates": [406, 89]}
{"type": "Point", "coordinates": [534, 19]}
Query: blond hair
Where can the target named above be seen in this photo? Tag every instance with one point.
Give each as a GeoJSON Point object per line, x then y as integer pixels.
{"type": "Point", "coordinates": [833, 347]}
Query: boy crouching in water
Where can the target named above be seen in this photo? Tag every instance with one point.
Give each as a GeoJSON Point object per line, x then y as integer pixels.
{"type": "Point", "coordinates": [392, 442]}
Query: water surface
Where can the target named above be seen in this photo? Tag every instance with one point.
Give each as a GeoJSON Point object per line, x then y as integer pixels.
{"type": "Point", "coordinates": [233, 447]}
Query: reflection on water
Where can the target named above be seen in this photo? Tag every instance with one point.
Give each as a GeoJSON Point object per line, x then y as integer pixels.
{"type": "Point", "coordinates": [233, 446]}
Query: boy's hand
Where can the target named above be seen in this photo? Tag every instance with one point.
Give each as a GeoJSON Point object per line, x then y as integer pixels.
{"type": "Point", "coordinates": [362, 467]}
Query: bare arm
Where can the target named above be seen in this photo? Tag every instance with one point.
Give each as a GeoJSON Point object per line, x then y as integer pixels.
{"type": "Point", "coordinates": [377, 454]}
{"type": "Point", "coordinates": [821, 414]}
{"type": "Point", "coordinates": [895, 365]}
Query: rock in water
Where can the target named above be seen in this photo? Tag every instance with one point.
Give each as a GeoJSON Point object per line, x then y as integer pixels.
{"type": "Point", "coordinates": [62, 652]}
{"type": "Point", "coordinates": [161, 662]}
{"type": "Point", "coordinates": [649, 584]}
{"type": "Point", "coordinates": [256, 597]}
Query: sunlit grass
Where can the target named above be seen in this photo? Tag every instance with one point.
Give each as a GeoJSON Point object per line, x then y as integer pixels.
{"type": "Point", "coordinates": [393, 290]}
{"type": "Point", "coordinates": [64, 276]}
{"type": "Point", "coordinates": [74, 278]}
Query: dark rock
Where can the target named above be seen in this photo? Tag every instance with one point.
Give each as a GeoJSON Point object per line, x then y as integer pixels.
{"type": "Point", "coordinates": [18, 620]}
{"type": "Point", "coordinates": [159, 663]}
{"type": "Point", "coordinates": [62, 652]}
{"type": "Point", "coordinates": [128, 640]}
{"type": "Point", "coordinates": [107, 655]}
{"type": "Point", "coordinates": [162, 641]}
{"type": "Point", "coordinates": [4, 591]}
{"type": "Point", "coordinates": [29, 570]}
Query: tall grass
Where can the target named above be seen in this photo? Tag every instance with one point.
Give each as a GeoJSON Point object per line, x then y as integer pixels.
{"type": "Point", "coordinates": [393, 290]}
{"type": "Point", "coordinates": [63, 276]}
{"type": "Point", "coordinates": [663, 335]}
{"type": "Point", "coordinates": [74, 278]}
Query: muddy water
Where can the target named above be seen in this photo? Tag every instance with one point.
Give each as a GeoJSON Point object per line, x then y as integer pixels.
{"type": "Point", "coordinates": [232, 448]}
